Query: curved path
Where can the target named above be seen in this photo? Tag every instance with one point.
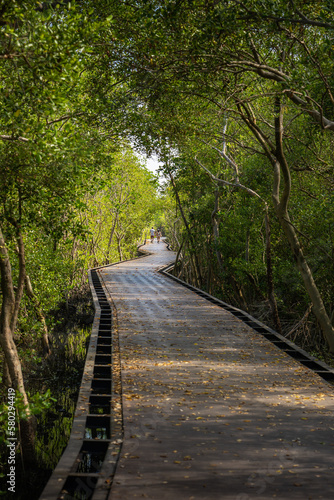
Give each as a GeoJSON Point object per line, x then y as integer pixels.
{"type": "Point", "coordinates": [212, 410]}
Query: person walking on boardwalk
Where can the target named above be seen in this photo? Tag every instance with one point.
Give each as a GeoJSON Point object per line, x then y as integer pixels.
{"type": "Point", "coordinates": [158, 235]}
{"type": "Point", "coordinates": [152, 234]}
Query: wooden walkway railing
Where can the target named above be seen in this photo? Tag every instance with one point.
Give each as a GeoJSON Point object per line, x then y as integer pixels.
{"type": "Point", "coordinates": [86, 468]}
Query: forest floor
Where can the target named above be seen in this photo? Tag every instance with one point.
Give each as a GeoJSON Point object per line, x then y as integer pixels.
{"type": "Point", "coordinates": [61, 374]}
{"type": "Point", "coordinates": [211, 408]}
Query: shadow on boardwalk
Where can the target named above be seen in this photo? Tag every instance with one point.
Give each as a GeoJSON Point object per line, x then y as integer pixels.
{"type": "Point", "coordinates": [211, 409]}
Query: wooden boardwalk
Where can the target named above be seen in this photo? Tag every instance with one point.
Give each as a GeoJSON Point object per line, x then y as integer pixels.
{"type": "Point", "coordinates": [211, 409]}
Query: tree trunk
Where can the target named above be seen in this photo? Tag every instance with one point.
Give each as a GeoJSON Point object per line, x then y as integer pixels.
{"type": "Point", "coordinates": [281, 201]}
{"type": "Point", "coordinates": [306, 274]}
{"type": "Point", "coordinates": [40, 316]}
{"type": "Point", "coordinates": [8, 319]}
{"type": "Point", "coordinates": [270, 281]}
{"type": "Point", "coordinates": [27, 428]}
{"type": "Point", "coordinates": [178, 254]}
{"type": "Point", "coordinates": [119, 247]}
{"type": "Point", "coordinates": [215, 230]}
{"type": "Point", "coordinates": [110, 238]}
{"type": "Point", "coordinates": [195, 257]}
{"type": "Point", "coordinates": [74, 248]}
{"type": "Point", "coordinates": [238, 293]}
{"type": "Point", "coordinates": [275, 154]}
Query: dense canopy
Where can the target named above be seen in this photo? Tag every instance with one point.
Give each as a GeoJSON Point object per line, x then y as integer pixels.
{"type": "Point", "coordinates": [235, 99]}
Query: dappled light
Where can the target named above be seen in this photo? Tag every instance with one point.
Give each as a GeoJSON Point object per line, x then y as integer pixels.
{"type": "Point", "coordinates": [209, 405]}
{"type": "Point", "coordinates": [166, 249]}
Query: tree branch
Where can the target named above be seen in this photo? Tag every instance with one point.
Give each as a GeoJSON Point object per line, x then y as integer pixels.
{"type": "Point", "coordinates": [317, 115]}
{"type": "Point", "coordinates": [222, 182]}
{"type": "Point", "coordinates": [11, 138]}
{"type": "Point", "coordinates": [262, 70]}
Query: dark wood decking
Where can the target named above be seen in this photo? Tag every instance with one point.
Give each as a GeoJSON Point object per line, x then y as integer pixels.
{"type": "Point", "coordinates": [211, 409]}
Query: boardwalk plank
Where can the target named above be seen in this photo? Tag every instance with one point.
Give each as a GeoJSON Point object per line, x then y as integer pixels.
{"type": "Point", "coordinates": [212, 410]}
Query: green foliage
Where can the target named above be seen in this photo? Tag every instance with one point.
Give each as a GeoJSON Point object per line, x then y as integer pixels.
{"type": "Point", "coordinates": [63, 166]}
{"type": "Point", "coordinates": [38, 403]}
{"type": "Point", "coordinates": [205, 67]}
{"type": "Point", "coordinates": [198, 84]}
